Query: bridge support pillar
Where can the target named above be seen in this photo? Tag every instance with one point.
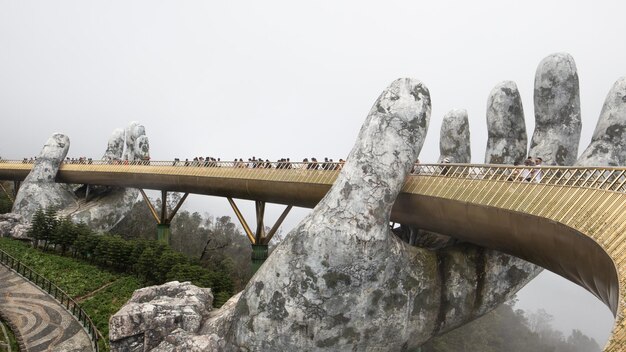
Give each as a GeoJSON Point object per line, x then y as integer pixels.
{"type": "Point", "coordinates": [163, 219]}
{"type": "Point", "coordinates": [16, 187]}
{"type": "Point", "coordinates": [163, 233]}
{"type": "Point", "coordinates": [260, 252]}
{"type": "Point", "coordinates": [260, 238]}
{"type": "Point", "coordinates": [9, 195]}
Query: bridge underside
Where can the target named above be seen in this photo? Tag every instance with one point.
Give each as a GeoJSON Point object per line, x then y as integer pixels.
{"type": "Point", "coordinates": [546, 243]}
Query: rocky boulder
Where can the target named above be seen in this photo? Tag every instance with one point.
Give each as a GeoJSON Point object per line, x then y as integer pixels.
{"type": "Point", "coordinates": [154, 312]}
{"type": "Point", "coordinates": [14, 226]}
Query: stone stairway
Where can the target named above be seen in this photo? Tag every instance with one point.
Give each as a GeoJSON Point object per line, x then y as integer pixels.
{"type": "Point", "coordinates": [37, 319]}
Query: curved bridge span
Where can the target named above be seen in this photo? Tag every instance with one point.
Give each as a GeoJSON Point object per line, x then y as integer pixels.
{"type": "Point", "coordinates": [572, 221]}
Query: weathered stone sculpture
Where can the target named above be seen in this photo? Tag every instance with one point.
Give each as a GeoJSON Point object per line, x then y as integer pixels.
{"type": "Point", "coordinates": [331, 283]}
{"type": "Point", "coordinates": [454, 142]}
{"type": "Point", "coordinates": [608, 144]}
{"type": "Point", "coordinates": [506, 127]}
{"type": "Point", "coordinates": [341, 280]}
{"type": "Point", "coordinates": [39, 188]}
{"type": "Point", "coordinates": [115, 146]}
{"type": "Point", "coordinates": [136, 142]}
{"type": "Point", "coordinates": [557, 111]}
{"type": "Point", "coordinates": [109, 204]}
{"type": "Point", "coordinates": [172, 306]}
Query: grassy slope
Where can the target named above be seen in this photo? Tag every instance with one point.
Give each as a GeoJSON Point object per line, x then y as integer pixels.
{"type": "Point", "coordinates": [78, 279]}
{"type": "Point", "coordinates": [7, 339]}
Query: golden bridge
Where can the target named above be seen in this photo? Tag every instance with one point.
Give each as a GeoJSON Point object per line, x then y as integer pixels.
{"type": "Point", "coordinates": [572, 221]}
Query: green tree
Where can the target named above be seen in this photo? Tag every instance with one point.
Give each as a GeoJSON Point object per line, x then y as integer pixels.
{"type": "Point", "coordinates": [64, 235]}
{"type": "Point", "coordinates": [138, 224]}
{"type": "Point", "coordinates": [579, 342]}
{"type": "Point", "coordinates": [167, 260]}
{"type": "Point", "coordinates": [86, 242]}
{"type": "Point", "coordinates": [38, 227]}
{"type": "Point", "coordinates": [146, 264]}
{"type": "Point", "coordinates": [510, 330]}
{"type": "Point", "coordinates": [50, 225]}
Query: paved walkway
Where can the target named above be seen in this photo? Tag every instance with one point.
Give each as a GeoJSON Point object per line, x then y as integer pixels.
{"type": "Point", "coordinates": [41, 322]}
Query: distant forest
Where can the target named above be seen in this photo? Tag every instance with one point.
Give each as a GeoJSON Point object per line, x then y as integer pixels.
{"type": "Point", "coordinates": [506, 329]}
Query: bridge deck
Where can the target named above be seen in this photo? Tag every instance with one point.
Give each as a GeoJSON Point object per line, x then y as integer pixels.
{"type": "Point", "coordinates": [572, 222]}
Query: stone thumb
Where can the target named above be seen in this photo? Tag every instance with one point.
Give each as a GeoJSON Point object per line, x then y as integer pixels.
{"type": "Point", "coordinates": [39, 188]}
{"type": "Point", "coordinates": [386, 148]}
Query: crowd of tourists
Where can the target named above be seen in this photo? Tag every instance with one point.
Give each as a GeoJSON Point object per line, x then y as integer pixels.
{"type": "Point", "coordinates": [531, 172]}
{"type": "Point", "coordinates": [260, 163]}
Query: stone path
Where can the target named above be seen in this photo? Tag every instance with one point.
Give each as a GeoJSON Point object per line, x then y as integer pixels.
{"type": "Point", "coordinates": [41, 322]}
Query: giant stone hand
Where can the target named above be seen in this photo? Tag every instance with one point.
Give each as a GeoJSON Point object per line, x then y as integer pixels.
{"type": "Point", "coordinates": [106, 206]}
{"type": "Point", "coordinates": [341, 280]}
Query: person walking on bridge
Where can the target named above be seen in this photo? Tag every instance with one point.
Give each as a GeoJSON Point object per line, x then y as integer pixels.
{"type": "Point", "coordinates": [537, 173]}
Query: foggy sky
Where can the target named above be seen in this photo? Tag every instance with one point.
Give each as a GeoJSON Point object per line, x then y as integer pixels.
{"type": "Point", "coordinates": [273, 79]}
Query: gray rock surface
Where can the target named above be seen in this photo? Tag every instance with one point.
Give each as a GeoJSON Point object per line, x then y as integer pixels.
{"type": "Point", "coordinates": [39, 189]}
{"type": "Point", "coordinates": [557, 111]}
{"type": "Point", "coordinates": [608, 144]}
{"type": "Point", "coordinates": [342, 281]}
{"type": "Point", "coordinates": [473, 274]}
{"type": "Point", "coordinates": [137, 147]}
{"type": "Point", "coordinates": [454, 142]}
{"type": "Point", "coordinates": [156, 311]}
{"type": "Point", "coordinates": [115, 146]}
{"type": "Point", "coordinates": [330, 284]}
{"type": "Point", "coordinates": [180, 340]}
{"type": "Point", "coordinates": [103, 211]}
{"type": "Point", "coordinates": [506, 128]}
{"type": "Point", "coordinates": [14, 226]}
{"type": "Point", "coordinates": [112, 203]}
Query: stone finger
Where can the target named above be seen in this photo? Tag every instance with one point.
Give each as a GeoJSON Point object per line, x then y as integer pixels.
{"type": "Point", "coordinates": [557, 111]}
{"type": "Point", "coordinates": [115, 146]}
{"type": "Point", "coordinates": [454, 141]}
{"type": "Point", "coordinates": [608, 144]}
{"type": "Point", "coordinates": [506, 128]}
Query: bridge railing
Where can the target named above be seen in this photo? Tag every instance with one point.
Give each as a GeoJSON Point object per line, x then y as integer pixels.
{"type": "Point", "coordinates": [602, 178]}
{"type": "Point", "coordinates": [605, 178]}
{"type": "Point", "coordinates": [53, 290]}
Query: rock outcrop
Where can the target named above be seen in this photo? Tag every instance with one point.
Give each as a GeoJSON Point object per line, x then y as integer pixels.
{"type": "Point", "coordinates": [454, 141]}
{"type": "Point", "coordinates": [557, 111]}
{"type": "Point", "coordinates": [14, 226]}
{"type": "Point", "coordinates": [154, 313]}
{"type": "Point", "coordinates": [506, 128]}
